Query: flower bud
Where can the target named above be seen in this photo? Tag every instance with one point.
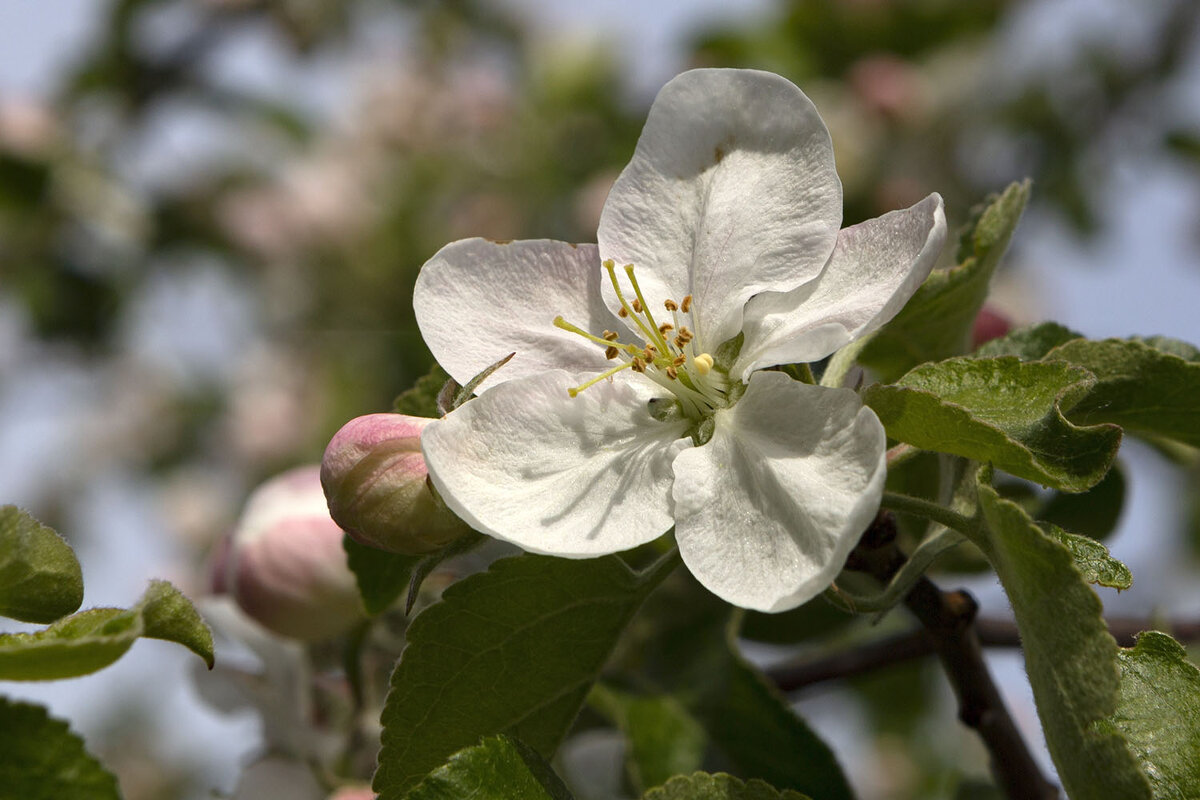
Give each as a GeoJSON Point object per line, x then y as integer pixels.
{"type": "Point", "coordinates": [286, 567]}
{"type": "Point", "coordinates": [989, 324]}
{"type": "Point", "coordinates": [353, 793]}
{"type": "Point", "coordinates": [378, 490]}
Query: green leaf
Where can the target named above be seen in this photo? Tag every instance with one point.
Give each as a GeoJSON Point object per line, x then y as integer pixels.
{"type": "Point", "coordinates": [428, 563]}
{"type": "Point", "coordinates": [936, 323]}
{"type": "Point", "coordinates": [1143, 389]}
{"type": "Point", "coordinates": [1070, 657]}
{"type": "Point", "coordinates": [1093, 513]}
{"type": "Point", "coordinates": [40, 579]}
{"type": "Point", "coordinates": [683, 644]}
{"type": "Point", "coordinates": [498, 768]}
{"type": "Point", "coordinates": [702, 786]}
{"type": "Point", "coordinates": [513, 650]}
{"type": "Point", "coordinates": [1000, 411]}
{"type": "Point", "coordinates": [91, 640]}
{"type": "Point", "coordinates": [422, 399]}
{"type": "Point", "coordinates": [1028, 344]}
{"type": "Point", "coordinates": [1159, 713]}
{"type": "Point", "coordinates": [40, 759]}
{"type": "Point", "coordinates": [1091, 559]}
{"type": "Point", "coordinates": [381, 576]}
{"type": "Point", "coordinates": [664, 739]}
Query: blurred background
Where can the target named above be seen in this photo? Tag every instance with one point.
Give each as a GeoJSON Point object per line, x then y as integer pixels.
{"type": "Point", "coordinates": [212, 213]}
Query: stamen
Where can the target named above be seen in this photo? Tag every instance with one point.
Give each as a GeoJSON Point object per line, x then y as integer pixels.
{"type": "Point", "coordinates": [574, 391]}
{"type": "Point", "coordinates": [622, 312]}
{"type": "Point", "coordinates": [611, 353]}
{"type": "Point", "coordinates": [610, 336]}
{"type": "Point", "coordinates": [686, 305]}
{"type": "Point", "coordinates": [641, 303]}
{"type": "Point", "coordinates": [666, 326]}
{"type": "Point", "coordinates": [650, 333]}
{"type": "Point", "coordinates": [679, 361]}
{"type": "Point", "coordinates": [638, 364]}
{"type": "Point", "coordinates": [672, 373]}
{"type": "Point", "coordinates": [670, 305]}
{"type": "Point", "coordinates": [559, 322]}
{"type": "Point", "coordinates": [637, 305]}
{"type": "Point", "coordinates": [704, 363]}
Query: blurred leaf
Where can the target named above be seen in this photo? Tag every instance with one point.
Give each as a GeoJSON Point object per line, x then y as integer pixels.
{"type": "Point", "coordinates": [815, 619]}
{"type": "Point", "coordinates": [41, 759]}
{"type": "Point", "coordinates": [422, 399]}
{"type": "Point", "coordinates": [1159, 713]}
{"type": "Point", "coordinates": [381, 576]}
{"type": "Point", "coordinates": [513, 650]}
{"type": "Point", "coordinates": [40, 579]}
{"type": "Point", "coordinates": [663, 738]}
{"type": "Point", "coordinates": [702, 786]}
{"type": "Point", "coordinates": [1092, 513]}
{"type": "Point", "coordinates": [1070, 657]}
{"type": "Point", "coordinates": [936, 323]}
{"type": "Point", "coordinates": [1000, 411]}
{"type": "Point", "coordinates": [1140, 388]}
{"type": "Point", "coordinates": [498, 768]}
{"type": "Point", "coordinates": [1028, 344]}
{"type": "Point", "coordinates": [1091, 559]}
{"type": "Point", "coordinates": [91, 640]}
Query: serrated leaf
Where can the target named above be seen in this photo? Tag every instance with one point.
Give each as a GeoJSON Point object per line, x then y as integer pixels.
{"type": "Point", "coordinates": [702, 786]}
{"type": "Point", "coordinates": [1070, 657]}
{"type": "Point", "coordinates": [422, 399]}
{"type": "Point", "coordinates": [513, 650]}
{"type": "Point", "coordinates": [663, 738]}
{"type": "Point", "coordinates": [91, 640]}
{"type": "Point", "coordinates": [683, 645]}
{"type": "Point", "coordinates": [1159, 714]}
{"type": "Point", "coordinates": [41, 759]}
{"type": "Point", "coordinates": [498, 768]}
{"type": "Point", "coordinates": [1140, 388]}
{"type": "Point", "coordinates": [1091, 559]}
{"type": "Point", "coordinates": [936, 323]}
{"type": "Point", "coordinates": [1000, 411]}
{"type": "Point", "coordinates": [40, 579]}
{"type": "Point", "coordinates": [381, 576]}
{"type": "Point", "coordinates": [1093, 513]}
{"type": "Point", "coordinates": [1028, 344]}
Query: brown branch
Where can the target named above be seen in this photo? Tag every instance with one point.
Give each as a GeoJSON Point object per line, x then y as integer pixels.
{"type": "Point", "coordinates": [946, 618]}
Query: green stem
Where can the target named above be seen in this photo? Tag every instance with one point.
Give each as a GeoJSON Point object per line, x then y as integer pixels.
{"type": "Point", "coordinates": [929, 510]}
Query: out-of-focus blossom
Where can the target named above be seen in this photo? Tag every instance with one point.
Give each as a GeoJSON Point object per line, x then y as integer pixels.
{"type": "Point", "coordinates": [376, 483]}
{"type": "Point", "coordinates": [286, 567]}
{"type": "Point", "coordinates": [353, 793]}
{"type": "Point", "coordinates": [989, 324]}
{"type": "Point", "coordinates": [27, 128]}
{"type": "Point", "coordinates": [888, 86]}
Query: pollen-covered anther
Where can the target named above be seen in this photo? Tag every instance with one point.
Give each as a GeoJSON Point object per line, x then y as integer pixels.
{"type": "Point", "coordinates": [704, 363]}
{"type": "Point", "coordinates": [672, 373]}
{"type": "Point", "coordinates": [649, 354]}
{"type": "Point", "coordinates": [611, 353]}
{"type": "Point", "coordinates": [610, 336]}
{"type": "Point", "coordinates": [670, 305]}
{"type": "Point", "coordinates": [637, 305]}
{"type": "Point", "coordinates": [637, 364]}
{"type": "Point", "coordinates": [679, 361]}
{"type": "Point", "coordinates": [686, 305]}
{"type": "Point", "coordinates": [621, 312]}
{"type": "Point", "coordinates": [666, 326]}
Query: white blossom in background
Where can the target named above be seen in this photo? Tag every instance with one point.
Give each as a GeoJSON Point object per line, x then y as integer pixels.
{"type": "Point", "coordinates": [630, 407]}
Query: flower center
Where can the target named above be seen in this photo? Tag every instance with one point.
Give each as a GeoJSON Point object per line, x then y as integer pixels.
{"type": "Point", "coordinates": [669, 353]}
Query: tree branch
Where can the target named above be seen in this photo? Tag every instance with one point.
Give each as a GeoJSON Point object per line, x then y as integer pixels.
{"type": "Point", "coordinates": [946, 618]}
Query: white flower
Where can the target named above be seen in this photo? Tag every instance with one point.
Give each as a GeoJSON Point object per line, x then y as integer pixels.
{"type": "Point", "coordinates": [621, 413]}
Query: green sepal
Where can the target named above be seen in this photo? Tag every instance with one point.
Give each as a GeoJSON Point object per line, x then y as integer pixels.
{"type": "Point", "coordinates": [422, 399]}
{"type": "Point", "coordinates": [40, 578]}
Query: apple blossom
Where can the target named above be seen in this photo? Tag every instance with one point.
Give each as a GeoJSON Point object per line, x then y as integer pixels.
{"type": "Point", "coordinates": [375, 481]}
{"type": "Point", "coordinates": [639, 397]}
{"type": "Point", "coordinates": [286, 567]}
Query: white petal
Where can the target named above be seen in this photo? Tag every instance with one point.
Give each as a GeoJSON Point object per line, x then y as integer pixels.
{"type": "Point", "coordinates": [767, 511]}
{"type": "Point", "coordinates": [875, 269]}
{"type": "Point", "coordinates": [732, 191]}
{"type": "Point", "coordinates": [476, 301]}
{"type": "Point", "coordinates": [573, 477]}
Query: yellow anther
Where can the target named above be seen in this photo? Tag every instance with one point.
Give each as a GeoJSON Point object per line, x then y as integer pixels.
{"type": "Point", "coordinates": [704, 363]}
{"type": "Point", "coordinates": [610, 336]}
{"type": "Point", "coordinates": [670, 305]}
{"type": "Point", "coordinates": [686, 305]}
{"type": "Point", "coordinates": [611, 353]}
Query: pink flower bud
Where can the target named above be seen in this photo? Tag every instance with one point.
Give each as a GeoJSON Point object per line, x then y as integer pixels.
{"type": "Point", "coordinates": [286, 567]}
{"type": "Point", "coordinates": [353, 793]}
{"type": "Point", "coordinates": [989, 324]}
{"type": "Point", "coordinates": [376, 483]}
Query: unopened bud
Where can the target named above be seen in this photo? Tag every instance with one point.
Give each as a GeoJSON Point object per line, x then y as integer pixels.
{"type": "Point", "coordinates": [286, 567]}
{"type": "Point", "coordinates": [353, 793]}
{"type": "Point", "coordinates": [378, 490]}
{"type": "Point", "coordinates": [989, 324]}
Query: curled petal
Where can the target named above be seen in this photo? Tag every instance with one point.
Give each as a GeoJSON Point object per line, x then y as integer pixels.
{"type": "Point", "coordinates": [574, 477]}
{"type": "Point", "coordinates": [767, 511]}
{"type": "Point", "coordinates": [476, 301]}
{"type": "Point", "coordinates": [875, 269]}
{"type": "Point", "coordinates": [731, 191]}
